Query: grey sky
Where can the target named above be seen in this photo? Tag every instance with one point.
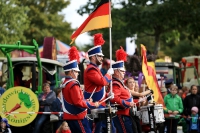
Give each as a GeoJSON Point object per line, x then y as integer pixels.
{"type": "Point", "coordinates": [76, 20]}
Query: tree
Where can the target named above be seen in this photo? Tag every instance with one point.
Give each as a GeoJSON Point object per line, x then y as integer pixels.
{"type": "Point", "coordinates": [140, 17]}
{"type": "Point", "coordinates": [13, 22]}
{"type": "Point", "coordinates": [46, 20]}
{"type": "Point", "coordinates": [163, 21]}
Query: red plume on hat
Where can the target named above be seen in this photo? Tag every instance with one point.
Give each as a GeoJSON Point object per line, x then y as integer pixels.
{"type": "Point", "coordinates": [98, 39]}
{"type": "Point", "coordinates": [121, 54]}
{"type": "Point", "coordinates": [74, 54]}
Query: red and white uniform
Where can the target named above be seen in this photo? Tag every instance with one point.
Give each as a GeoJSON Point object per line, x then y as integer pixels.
{"type": "Point", "coordinates": [122, 96]}
{"type": "Point", "coordinates": [93, 78]}
{"type": "Point", "coordinates": [73, 102]}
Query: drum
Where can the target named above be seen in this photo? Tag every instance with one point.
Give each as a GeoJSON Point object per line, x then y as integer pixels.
{"type": "Point", "coordinates": [158, 114]}
{"type": "Point", "coordinates": [100, 113]}
{"type": "Point", "coordinates": [96, 113]}
{"type": "Point", "coordinates": [134, 111]}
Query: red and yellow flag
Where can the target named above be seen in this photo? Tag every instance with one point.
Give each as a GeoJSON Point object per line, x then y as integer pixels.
{"type": "Point", "coordinates": [148, 69]}
{"type": "Point", "coordinates": [98, 19]}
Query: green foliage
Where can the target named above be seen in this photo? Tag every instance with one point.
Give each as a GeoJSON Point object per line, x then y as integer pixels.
{"type": "Point", "coordinates": [26, 20]}
{"type": "Point", "coordinates": [171, 26]}
{"type": "Point", "coordinates": [13, 22]}
{"type": "Point", "coordinates": [46, 20]}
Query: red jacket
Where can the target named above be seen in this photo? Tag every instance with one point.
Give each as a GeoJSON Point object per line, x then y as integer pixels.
{"type": "Point", "coordinates": [94, 79]}
{"type": "Point", "coordinates": [122, 97]}
{"type": "Point", "coordinates": [74, 104]}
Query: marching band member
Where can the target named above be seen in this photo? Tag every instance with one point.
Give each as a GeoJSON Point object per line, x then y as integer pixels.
{"type": "Point", "coordinates": [73, 102]}
{"type": "Point", "coordinates": [122, 95]}
{"type": "Point", "coordinates": [94, 81]}
{"type": "Point", "coordinates": [133, 87]}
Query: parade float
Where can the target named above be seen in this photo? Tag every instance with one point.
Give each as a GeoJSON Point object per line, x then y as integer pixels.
{"type": "Point", "coordinates": [24, 72]}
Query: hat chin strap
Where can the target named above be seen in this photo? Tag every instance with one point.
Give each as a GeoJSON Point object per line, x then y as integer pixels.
{"type": "Point", "coordinates": [120, 73]}
{"type": "Point", "coordinates": [74, 74]}
{"type": "Point", "coordinates": [97, 58]}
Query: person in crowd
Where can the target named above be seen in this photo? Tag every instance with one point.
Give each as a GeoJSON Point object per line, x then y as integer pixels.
{"type": "Point", "coordinates": [57, 107]}
{"type": "Point", "coordinates": [168, 84]}
{"type": "Point", "coordinates": [45, 99]}
{"type": "Point", "coordinates": [2, 90]}
{"type": "Point", "coordinates": [163, 126]}
{"type": "Point", "coordinates": [190, 101]}
{"type": "Point", "coordinates": [5, 127]}
{"type": "Point", "coordinates": [73, 102]}
{"type": "Point", "coordinates": [18, 75]}
{"type": "Point", "coordinates": [63, 128]}
{"type": "Point", "coordinates": [131, 84]}
{"type": "Point", "coordinates": [180, 93]}
{"type": "Point", "coordinates": [163, 91]}
{"type": "Point", "coordinates": [4, 86]}
{"type": "Point", "coordinates": [194, 121]}
{"type": "Point", "coordinates": [94, 81]}
{"type": "Point", "coordinates": [185, 92]}
{"type": "Point", "coordinates": [174, 107]}
{"type": "Point", "coordinates": [122, 95]}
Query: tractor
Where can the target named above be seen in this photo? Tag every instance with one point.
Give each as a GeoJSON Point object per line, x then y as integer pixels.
{"type": "Point", "coordinates": [30, 72]}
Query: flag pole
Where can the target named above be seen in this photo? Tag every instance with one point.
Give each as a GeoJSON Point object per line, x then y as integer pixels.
{"type": "Point", "coordinates": [109, 116]}
{"type": "Point", "coordinates": [110, 43]}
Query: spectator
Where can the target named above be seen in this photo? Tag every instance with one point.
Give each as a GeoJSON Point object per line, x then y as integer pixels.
{"type": "Point", "coordinates": [18, 75]}
{"type": "Point", "coordinates": [4, 86]}
{"type": "Point", "coordinates": [185, 92]}
{"type": "Point", "coordinates": [174, 107]}
{"type": "Point", "coordinates": [163, 126]}
{"type": "Point", "coordinates": [168, 84]}
{"type": "Point", "coordinates": [163, 92]}
{"type": "Point", "coordinates": [5, 127]}
{"type": "Point", "coordinates": [64, 128]}
{"type": "Point", "coordinates": [194, 121]}
{"type": "Point", "coordinates": [57, 107]}
{"type": "Point", "coordinates": [191, 101]}
{"type": "Point", "coordinates": [46, 98]}
{"type": "Point", "coordinates": [2, 90]}
{"type": "Point", "coordinates": [180, 93]}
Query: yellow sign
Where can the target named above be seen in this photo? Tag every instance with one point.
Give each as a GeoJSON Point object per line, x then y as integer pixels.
{"type": "Point", "coordinates": [22, 101]}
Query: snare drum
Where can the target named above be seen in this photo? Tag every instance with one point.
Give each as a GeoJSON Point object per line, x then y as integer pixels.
{"type": "Point", "coordinates": [97, 112]}
{"type": "Point", "coordinates": [158, 114]}
{"type": "Point", "coordinates": [100, 113]}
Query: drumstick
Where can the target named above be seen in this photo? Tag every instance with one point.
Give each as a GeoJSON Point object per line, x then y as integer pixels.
{"type": "Point", "coordinates": [142, 99]}
{"type": "Point", "coordinates": [92, 92]}
{"type": "Point", "coordinates": [105, 100]}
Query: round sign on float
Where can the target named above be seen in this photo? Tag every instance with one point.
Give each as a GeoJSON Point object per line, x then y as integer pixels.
{"type": "Point", "coordinates": [21, 101]}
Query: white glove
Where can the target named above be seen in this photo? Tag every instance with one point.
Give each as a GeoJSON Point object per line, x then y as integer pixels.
{"type": "Point", "coordinates": [110, 71]}
{"type": "Point", "coordinates": [142, 99]}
